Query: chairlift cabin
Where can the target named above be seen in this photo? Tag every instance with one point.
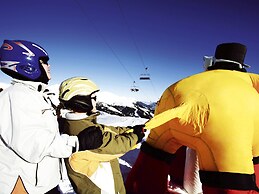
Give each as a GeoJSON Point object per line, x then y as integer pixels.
{"type": "Point", "coordinates": [145, 76]}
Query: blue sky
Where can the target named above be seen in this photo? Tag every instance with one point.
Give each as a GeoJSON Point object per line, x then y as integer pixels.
{"type": "Point", "coordinates": [112, 41]}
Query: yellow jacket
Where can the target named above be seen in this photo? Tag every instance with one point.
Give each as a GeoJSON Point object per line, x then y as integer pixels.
{"type": "Point", "coordinates": [214, 112]}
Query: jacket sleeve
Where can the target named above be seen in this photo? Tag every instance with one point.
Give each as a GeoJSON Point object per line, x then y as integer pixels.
{"type": "Point", "coordinates": [34, 131]}
{"type": "Point", "coordinates": [255, 81]}
{"type": "Point", "coordinates": [118, 130]}
{"type": "Point", "coordinates": [115, 142]}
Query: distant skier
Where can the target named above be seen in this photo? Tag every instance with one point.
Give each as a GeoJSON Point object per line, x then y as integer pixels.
{"type": "Point", "coordinates": [97, 169]}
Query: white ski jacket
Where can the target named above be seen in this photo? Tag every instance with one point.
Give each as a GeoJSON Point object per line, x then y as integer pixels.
{"type": "Point", "coordinates": [30, 143]}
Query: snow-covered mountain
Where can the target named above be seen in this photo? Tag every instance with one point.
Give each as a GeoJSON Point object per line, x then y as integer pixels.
{"type": "Point", "coordinates": [112, 104]}
{"type": "Point", "coordinates": [138, 110]}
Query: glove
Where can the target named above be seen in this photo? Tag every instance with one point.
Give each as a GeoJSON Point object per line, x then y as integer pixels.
{"type": "Point", "coordinates": [90, 138]}
{"type": "Point", "coordinates": [139, 131]}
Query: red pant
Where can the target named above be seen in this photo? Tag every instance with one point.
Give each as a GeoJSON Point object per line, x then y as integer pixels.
{"type": "Point", "coordinates": [211, 190]}
{"type": "Point", "coordinates": [256, 168]}
{"type": "Point", "coordinates": [149, 174]}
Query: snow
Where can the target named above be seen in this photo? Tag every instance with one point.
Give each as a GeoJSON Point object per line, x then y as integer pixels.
{"type": "Point", "coordinates": [115, 120]}
{"type": "Point", "coordinates": [3, 85]}
{"type": "Point", "coordinates": [111, 108]}
{"type": "Point", "coordinates": [113, 99]}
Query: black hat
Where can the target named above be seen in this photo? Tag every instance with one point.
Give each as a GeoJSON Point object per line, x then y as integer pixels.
{"type": "Point", "coordinates": [231, 52]}
{"type": "Point", "coordinates": [228, 56]}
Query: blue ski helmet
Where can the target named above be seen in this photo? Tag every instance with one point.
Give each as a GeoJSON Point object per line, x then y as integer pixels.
{"type": "Point", "coordinates": [20, 59]}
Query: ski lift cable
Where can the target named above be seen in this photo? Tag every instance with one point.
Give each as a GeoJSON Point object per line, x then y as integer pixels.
{"type": "Point", "coordinates": [153, 86]}
{"type": "Point", "coordinates": [102, 37]}
{"type": "Point", "coordinates": [132, 37]}
{"type": "Point", "coordinates": [147, 76]}
{"type": "Point", "coordinates": [130, 33]}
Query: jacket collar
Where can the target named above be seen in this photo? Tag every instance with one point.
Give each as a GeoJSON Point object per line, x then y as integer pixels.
{"type": "Point", "coordinates": [37, 86]}
{"type": "Point", "coordinates": [79, 116]}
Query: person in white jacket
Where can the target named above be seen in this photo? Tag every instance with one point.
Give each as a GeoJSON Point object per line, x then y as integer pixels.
{"type": "Point", "coordinates": [31, 146]}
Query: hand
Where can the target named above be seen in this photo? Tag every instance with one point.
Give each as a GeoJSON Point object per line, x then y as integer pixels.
{"type": "Point", "coordinates": [139, 130]}
{"type": "Point", "coordinates": [90, 138]}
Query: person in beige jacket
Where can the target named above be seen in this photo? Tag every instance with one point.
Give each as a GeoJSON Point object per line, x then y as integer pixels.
{"type": "Point", "coordinates": [95, 168]}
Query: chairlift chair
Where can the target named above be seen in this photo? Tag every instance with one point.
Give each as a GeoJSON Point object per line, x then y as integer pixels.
{"type": "Point", "coordinates": [145, 76]}
{"type": "Point", "coordinates": [134, 88]}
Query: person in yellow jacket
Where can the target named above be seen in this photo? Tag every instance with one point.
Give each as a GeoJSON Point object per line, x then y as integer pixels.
{"type": "Point", "coordinates": [95, 168]}
{"type": "Point", "coordinates": [215, 113]}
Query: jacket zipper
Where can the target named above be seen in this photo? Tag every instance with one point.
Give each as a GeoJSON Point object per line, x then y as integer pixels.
{"type": "Point", "coordinates": [36, 178]}
{"type": "Point", "coordinates": [60, 168]}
